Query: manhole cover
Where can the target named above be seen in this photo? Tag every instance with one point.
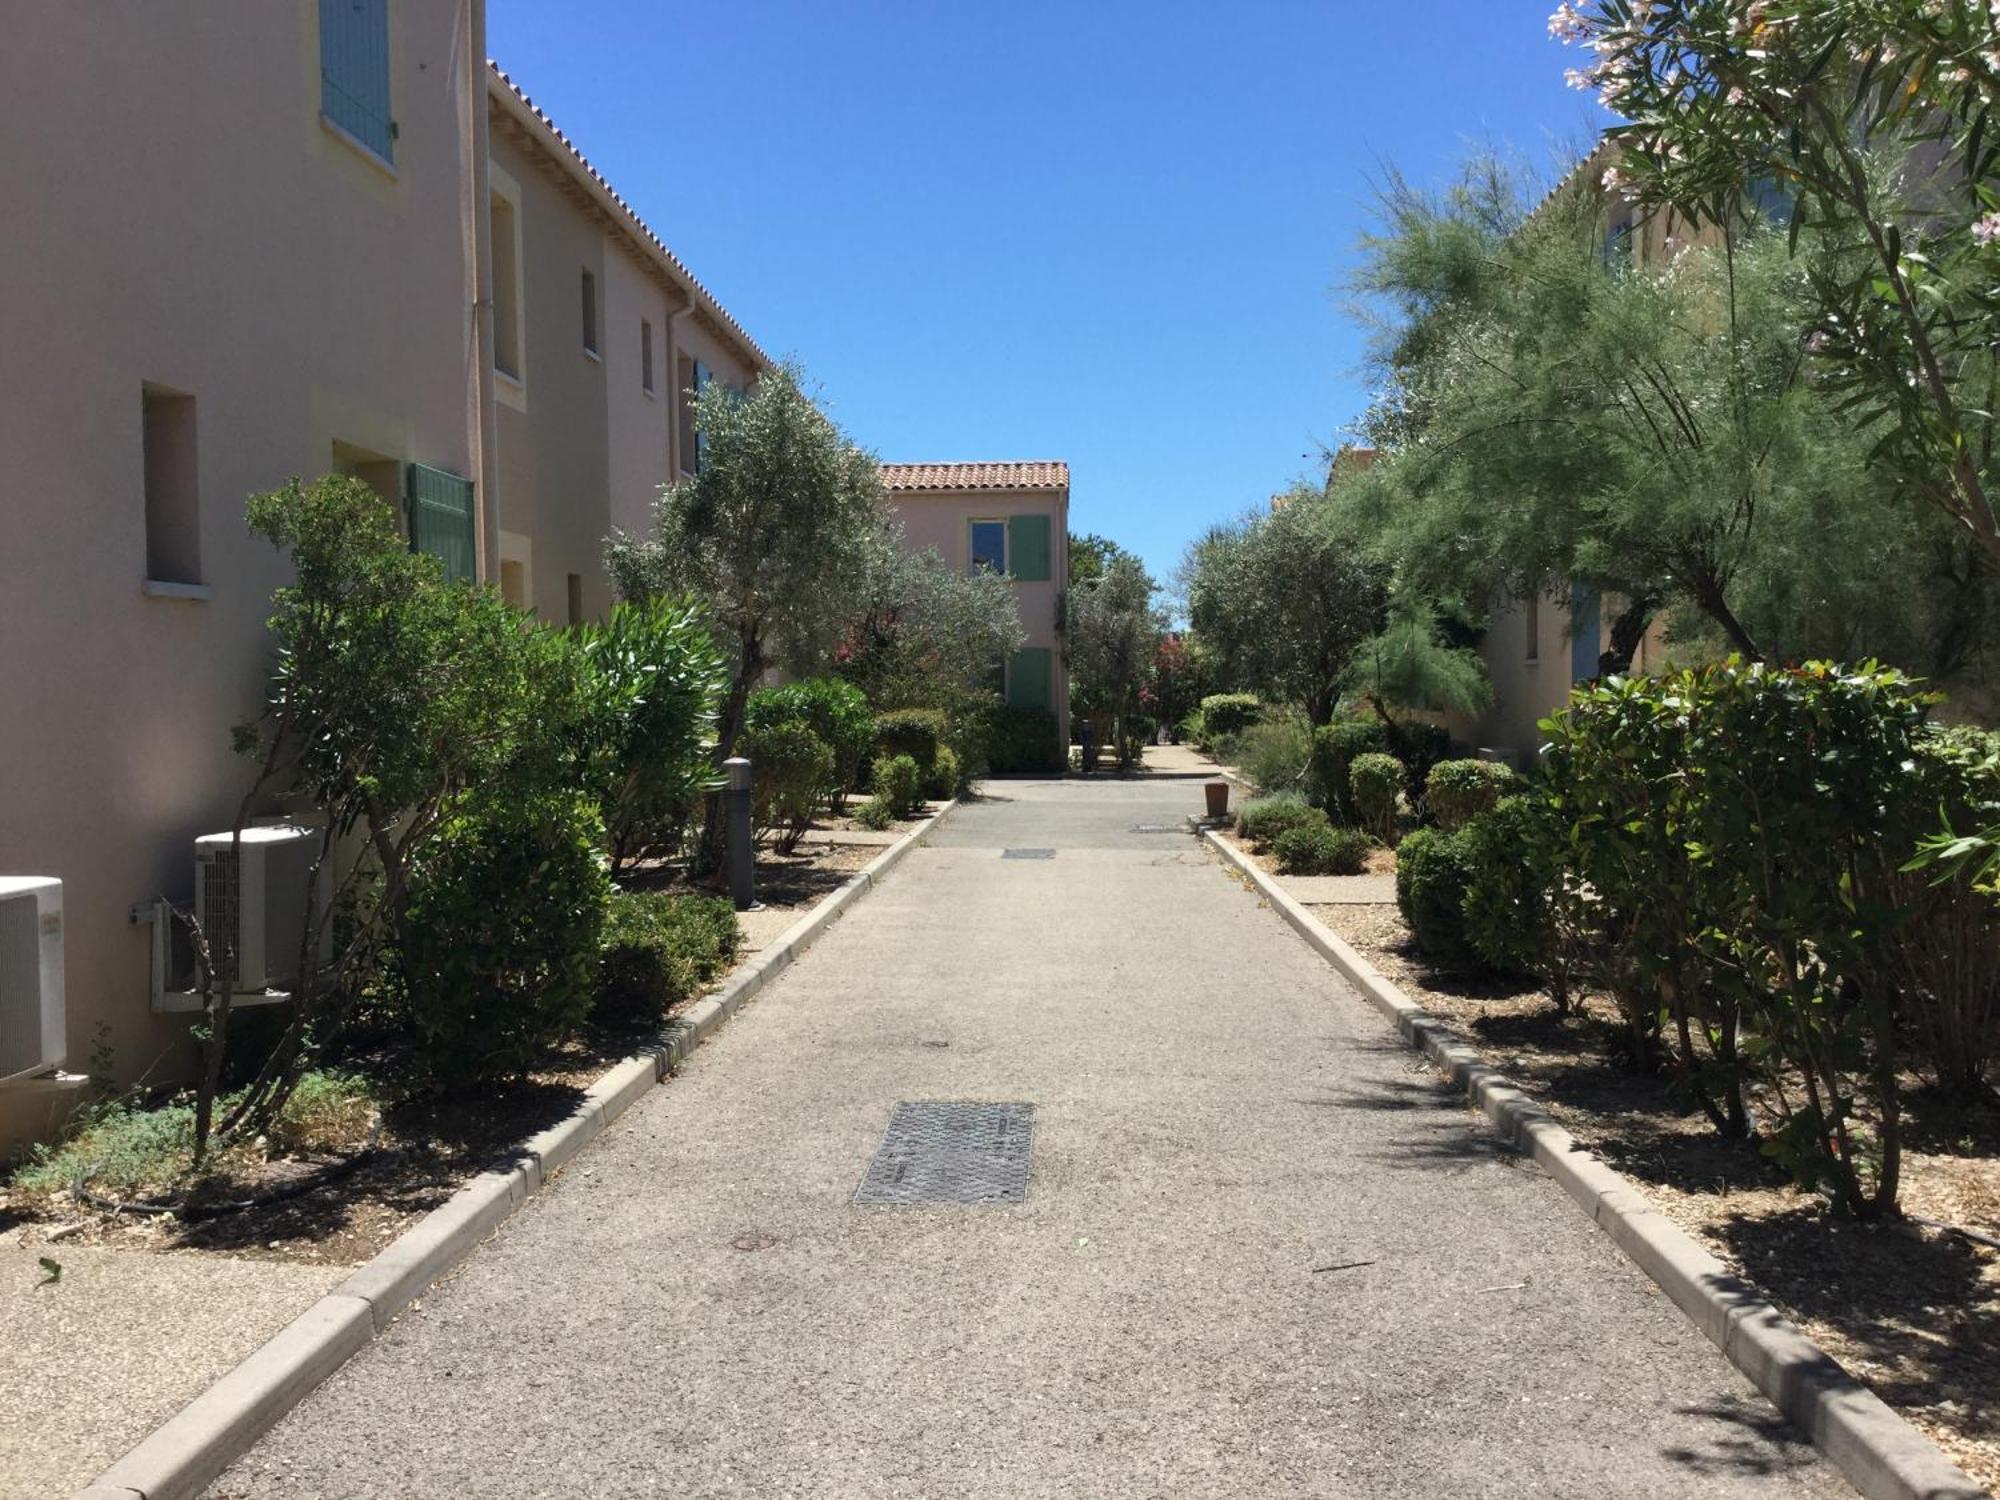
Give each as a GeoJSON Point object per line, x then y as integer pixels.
{"type": "Point", "coordinates": [1027, 854]}
{"type": "Point", "coordinates": [753, 1242]}
{"type": "Point", "coordinates": [951, 1152]}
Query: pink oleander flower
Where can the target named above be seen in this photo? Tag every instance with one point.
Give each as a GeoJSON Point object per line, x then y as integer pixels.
{"type": "Point", "coordinates": [1566, 23]}
{"type": "Point", "coordinates": [1987, 230]}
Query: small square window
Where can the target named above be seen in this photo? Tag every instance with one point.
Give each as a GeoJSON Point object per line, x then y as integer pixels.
{"type": "Point", "coordinates": [589, 312]}
{"type": "Point", "coordinates": [989, 545]}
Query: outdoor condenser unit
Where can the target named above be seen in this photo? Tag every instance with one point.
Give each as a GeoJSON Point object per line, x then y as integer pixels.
{"type": "Point", "coordinates": [262, 904]}
{"type": "Point", "coordinates": [31, 975]}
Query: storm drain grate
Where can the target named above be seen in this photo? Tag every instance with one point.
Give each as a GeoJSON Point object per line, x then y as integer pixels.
{"type": "Point", "coordinates": [952, 1152]}
{"type": "Point", "coordinates": [1027, 854]}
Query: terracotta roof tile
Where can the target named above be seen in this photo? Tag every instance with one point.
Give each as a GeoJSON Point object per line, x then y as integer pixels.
{"type": "Point", "coordinates": [580, 164]}
{"type": "Point", "coordinates": [1028, 474]}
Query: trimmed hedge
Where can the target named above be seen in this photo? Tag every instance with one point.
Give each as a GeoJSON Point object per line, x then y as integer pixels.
{"type": "Point", "coordinates": [1224, 714]}
{"type": "Point", "coordinates": [1263, 819]}
{"type": "Point", "coordinates": [835, 710]}
{"type": "Point", "coordinates": [899, 783]}
{"type": "Point", "coordinates": [1022, 741]}
{"type": "Point", "coordinates": [1457, 791]}
{"type": "Point", "coordinates": [791, 773]}
{"type": "Point", "coordinates": [1318, 848]}
{"type": "Point", "coordinates": [1337, 745]}
{"type": "Point", "coordinates": [915, 732]}
{"type": "Point", "coordinates": [1376, 781]}
{"type": "Point", "coordinates": [659, 948]}
{"type": "Point", "coordinates": [1434, 870]}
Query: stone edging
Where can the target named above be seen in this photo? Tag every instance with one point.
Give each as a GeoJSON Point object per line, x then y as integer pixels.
{"type": "Point", "coordinates": [201, 1440]}
{"type": "Point", "coordinates": [1882, 1455]}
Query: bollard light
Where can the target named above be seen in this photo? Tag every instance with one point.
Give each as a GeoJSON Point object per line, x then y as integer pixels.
{"type": "Point", "coordinates": [741, 846]}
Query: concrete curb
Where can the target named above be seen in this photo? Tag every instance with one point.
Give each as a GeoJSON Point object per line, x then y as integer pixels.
{"type": "Point", "coordinates": [1882, 1456]}
{"type": "Point", "coordinates": [201, 1440]}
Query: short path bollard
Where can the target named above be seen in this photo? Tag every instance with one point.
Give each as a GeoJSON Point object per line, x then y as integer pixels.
{"type": "Point", "coordinates": [742, 848]}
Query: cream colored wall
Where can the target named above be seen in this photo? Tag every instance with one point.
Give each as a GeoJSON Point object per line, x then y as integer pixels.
{"type": "Point", "coordinates": [177, 214]}
{"type": "Point", "coordinates": [640, 423]}
{"type": "Point", "coordinates": [940, 520]}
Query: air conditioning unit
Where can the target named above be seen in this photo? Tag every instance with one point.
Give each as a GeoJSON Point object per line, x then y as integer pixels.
{"type": "Point", "coordinates": [31, 975]}
{"type": "Point", "coordinates": [259, 908]}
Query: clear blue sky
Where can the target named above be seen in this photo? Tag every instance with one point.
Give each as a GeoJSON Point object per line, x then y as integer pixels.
{"type": "Point", "coordinates": [1096, 230]}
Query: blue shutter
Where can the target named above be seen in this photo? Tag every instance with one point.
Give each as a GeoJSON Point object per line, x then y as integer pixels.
{"type": "Point", "coordinates": [1584, 631]}
{"type": "Point", "coordinates": [354, 71]}
{"type": "Point", "coordinates": [444, 520]}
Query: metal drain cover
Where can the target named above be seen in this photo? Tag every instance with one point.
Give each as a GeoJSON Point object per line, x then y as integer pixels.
{"type": "Point", "coordinates": [1027, 854]}
{"type": "Point", "coordinates": [1157, 828]}
{"type": "Point", "coordinates": [952, 1152]}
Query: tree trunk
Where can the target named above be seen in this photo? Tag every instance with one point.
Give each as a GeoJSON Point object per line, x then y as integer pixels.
{"type": "Point", "coordinates": [1628, 632]}
{"type": "Point", "coordinates": [709, 854]}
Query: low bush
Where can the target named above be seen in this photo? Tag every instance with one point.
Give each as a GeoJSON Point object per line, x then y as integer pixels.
{"type": "Point", "coordinates": [1457, 791]}
{"type": "Point", "coordinates": [1273, 754]}
{"type": "Point", "coordinates": [1511, 898]}
{"type": "Point", "coordinates": [659, 948]}
{"type": "Point", "coordinates": [877, 813]}
{"type": "Point", "coordinates": [835, 710]}
{"type": "Point", "coordinates": [1023, 741]}
{"type": "Point", "coordinates": [942, 782]}
{"type": "Point", "coordinates": [915, 732]}
{"type": "Point", "coordinates": [899, 783]}
{"type": "Point", "coordinates": [1318, 848]}
{"type": "Point", "coordinates": [792, 773]}
{"type": "Point", "coordinates": [1434, 870]}
{"type": "Point", "coordinates": [1337, 745]}
{"type": "Point", "coordinates": [496, 951]}
{"type": "Point", "coordinates": [1262, 820]}
{"type": "Point", "coordinates": [1375, 782]}
{"type": "Point", "coordinates": [1224, 714]}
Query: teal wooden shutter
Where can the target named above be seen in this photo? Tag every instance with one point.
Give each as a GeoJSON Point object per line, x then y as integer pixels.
{"type": "Point", "coordinates": [443, 520]}
{"type": "Point", "coordinates": [354, 71]}
{"type": "Point", "coordinates": [1028, 548]}
{"type": "Point", "coordinates": [1031, 678]}
{"type": "Point", "coordinates": [702, 376]}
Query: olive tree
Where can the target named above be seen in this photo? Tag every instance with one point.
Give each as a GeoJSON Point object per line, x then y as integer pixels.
{"type": "Point", "coordinates": [1114, 631]}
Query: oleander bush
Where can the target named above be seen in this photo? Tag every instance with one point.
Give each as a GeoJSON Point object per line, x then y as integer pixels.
{"type": "Point", "coordinates": [1375, 781]}
{"type": "Point", "coordinates": [660, 947]}
{"type": "Point", "coordinates": [1262, 820]}
{"type": "Point", "coordinates": [1457, 791]}
{"type": "Point", "coordinates": [1319, 848]}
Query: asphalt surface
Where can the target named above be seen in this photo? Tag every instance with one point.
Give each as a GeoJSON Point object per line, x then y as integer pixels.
{"type": "Point", "coordinates": [1263, 1250]}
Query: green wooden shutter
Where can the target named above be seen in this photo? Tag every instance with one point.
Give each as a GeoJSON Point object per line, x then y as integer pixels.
{"type": "Point", "coordinates": [1031, 677]}
{"type": "Point", "coordinates": [1028, 548]}
{"type": "Point", "coordinates": [354, 71]}
{"type": "Point", "coordinates": [444, 520]}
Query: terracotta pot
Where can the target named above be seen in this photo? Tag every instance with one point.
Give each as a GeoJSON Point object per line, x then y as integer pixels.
{"type": "Point", "coordinates": [1217, 793]}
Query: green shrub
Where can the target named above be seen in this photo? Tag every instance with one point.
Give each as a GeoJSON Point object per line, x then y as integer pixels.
{"type": "Point", "coordinates": [497, 948]}
{"type": "Point", "coordinates": [942, 782]}
{"type": "Point", "coordinates": [1262, 819]}
{"type": "Point", "coordinates": [899, 783]}
{"type": "Point", "coordinates": [1224, 714]}
{"type": "Point", "coordinates": [1376, 784]}
{"type": "Point", "coordinates": [1192, 730]}
{"type": "Point", "coordinates": [1336, 746]}
{"type": "Point", "coordinates": [1273, 754]}
{"type": "Point", "coordinates": [1516, 881]}
{"type": "Point", "coordinates": [835, 710]}
{"type": "Point", "coordinates": [1318, 848]}
{"type": "Point", "coordinates": [1433, 872]}
{"type": "Point", "coordinates": [1457, 791]}
{"type": "Point", "coordinates": [915, 732]}
{"type": "Point", "coordinates": [1023, 741]}
{"type": "Point", "coordinates": [659, 948]}
{"type": "Point", "coordinates": [791, 774]}
{"type": "Point", "coordinates": [877, 813]}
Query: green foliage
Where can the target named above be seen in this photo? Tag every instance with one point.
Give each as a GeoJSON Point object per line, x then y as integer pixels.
{"type": "Point", "coordinates": [1114, 630]}
{"type": "Point", "coordinates": [915, 732]}
{"type": "Point", "coordinates": [792, 774]}
{"type": "Point", "coordinates": [831, 708]}
{"type": "Point", "coordinates": [497, 952]}
{"type": "Point", "coordinates": [1283, 599]}
{"type": "Point", "coordinates": [925, 626]}
{"type": "Point", "coordinates": [1407, 664]}
{"type": "Point", "coordinates": [1336, 746]}
{"type": "Point", "coordinates": [1457, 791]}
{"type": "Point", "coordinates": [660, 948]}
{"type": "Point", "coordinates": [899, 782]}
{"type": "Point", "coordinates": [1376, 781]}
{"type": "Point", "coordinates": [1434, 871]}
{"type": "Point", "coordinates": [1318, 848]}
{"type": "Point", "coordinates": [1262, 820]}
{"type": "Point", "coordinates": [647, 695]}
{"type": "Point", "coordinates": [1273, 754]}
{"type": "Point", "coordinates": [877, 813]}
{"type": "Point", "coordinates": [1226, 714]}
{"type": "Point", "coordinates": [1516, 902]}
{"type": "Point", "coordinates": [1023, 741]}
{"type": "Point", "coordinates": [942, 782]}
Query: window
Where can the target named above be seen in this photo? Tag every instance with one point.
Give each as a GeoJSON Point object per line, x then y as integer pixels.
{"type": "Point", "coordinates": [506, 288]}
{"type": "Point", "coordinates": [589, 313]}
{"type": "Point", "coordinates": [173, 500]}
{"type": "Point", "coordinates": [694, 445]}
{"type": "Point", "coordinates": [443, 520]}
{"type": "Point", "coordinates": [1531, 613]}
{"type": "Point", "coordinates": [576, 598]}
{"type": "Point", "coordinates": [646, 356]}
{"type": "Point", "coordinates": [1586, 632]}
{"type": "Point", "coordinates": [988, 545]}
{"type": "Point", "coordinates": [354, 72]}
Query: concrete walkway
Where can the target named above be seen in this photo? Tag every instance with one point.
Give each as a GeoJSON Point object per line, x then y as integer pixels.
{"type": "Point", "coordinates": [1263, 1252]}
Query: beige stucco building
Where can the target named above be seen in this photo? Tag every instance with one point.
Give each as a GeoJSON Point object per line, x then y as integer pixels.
{"type": "Point", "coordinates": [1013, 518]}
{"type": "Point", "coordinates": [248, 242]}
